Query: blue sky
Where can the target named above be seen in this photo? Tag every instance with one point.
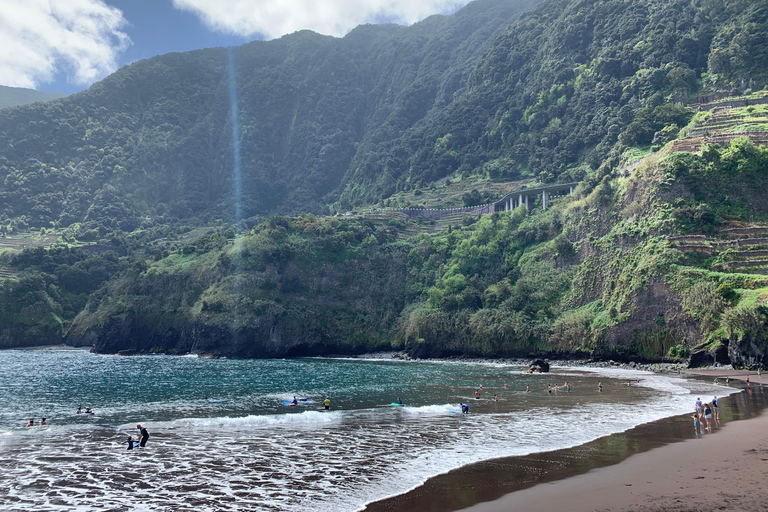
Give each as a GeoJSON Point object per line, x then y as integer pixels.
{"type": "Point", "coordinates": [66, 45]}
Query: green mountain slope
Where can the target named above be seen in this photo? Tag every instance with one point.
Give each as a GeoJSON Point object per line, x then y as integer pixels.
{"type": "Point", "coordinates": [154, 141]}
{"type": "Point", "coordinates": [659, 253]}
{"type": "Point", "coordinates": [13, 96]}
{"type": "Point", "coordinates": [600, 274]}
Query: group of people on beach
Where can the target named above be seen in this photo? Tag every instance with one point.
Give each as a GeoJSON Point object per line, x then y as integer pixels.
{"type": "Point", "coordinates": [705, 412]}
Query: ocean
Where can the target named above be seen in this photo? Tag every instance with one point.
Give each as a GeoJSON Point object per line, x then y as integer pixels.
{"type": "Point", "coordinates": [247, 450]}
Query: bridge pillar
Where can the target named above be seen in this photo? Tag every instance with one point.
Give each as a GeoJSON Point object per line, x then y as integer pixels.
{"type": "Point", "coordinates": [520, 201]}
{"type": "Point", "coordinates": [544, 199]}
{"type": "Point", "coordinates": [526, 203]}
{"type": "Point", "coordinates": [570, 191]}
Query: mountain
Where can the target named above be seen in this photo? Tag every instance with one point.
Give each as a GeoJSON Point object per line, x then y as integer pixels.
{"type": "Point", "coordinates": [656, 108]}
{"type": "Point", "coordinates": [12, 96]}
{"type": "Point", "coordinates": [153, 143]}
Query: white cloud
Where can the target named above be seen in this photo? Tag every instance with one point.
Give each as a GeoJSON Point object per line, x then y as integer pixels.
{"type": "Point", "coordinates": [274, 18]}
{"type": "Point", "coordinates": [39, 38]}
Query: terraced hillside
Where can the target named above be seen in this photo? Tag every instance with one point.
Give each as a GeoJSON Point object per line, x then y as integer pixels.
{"type": "Point", "coordinates": [741, 249]}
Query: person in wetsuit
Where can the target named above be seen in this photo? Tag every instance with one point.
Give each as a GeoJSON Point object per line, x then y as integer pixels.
{"type": "Point", "coordinates": [130, 442]}
{"type": "Point", "coordinates": [464, 409]}
{"type": "Point", "coordinates": [144, 435]}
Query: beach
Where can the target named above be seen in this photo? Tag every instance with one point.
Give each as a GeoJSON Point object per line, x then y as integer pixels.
{"type": "Point", "coordinates": [661, 466]}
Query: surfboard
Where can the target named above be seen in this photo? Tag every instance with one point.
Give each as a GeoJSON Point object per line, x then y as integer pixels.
{"type": "Point", "coordinates": [454, 411]}
{"type": "Point", "coordinates": [289, 403]}
{"type": "Point", "coordinates": [216, 400]}
{"type": "Point", "coordinates": [395, 404]}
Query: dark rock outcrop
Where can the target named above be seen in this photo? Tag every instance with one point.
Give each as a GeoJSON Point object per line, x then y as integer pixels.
{"type": "Point", "coordinates": [538, 366]}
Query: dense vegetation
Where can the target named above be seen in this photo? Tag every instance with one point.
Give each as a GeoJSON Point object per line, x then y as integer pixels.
{"type": "Point", "coordinates": [568, 92]}
{"type": "Point", "coordinates": [596, 275]}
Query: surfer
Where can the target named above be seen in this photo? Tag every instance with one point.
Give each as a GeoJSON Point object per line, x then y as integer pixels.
{"type": "Point", "coordinates": [130, 442]}
{"type": "Point", "coordinates": [399, 401]}
{"type": "Point", "coordinates": [144, 436]}
{"type": "Point", "coordinates": [295, 401]}
{"type": "Point", "coordinates": [327, 403]}
{"type": "Point", "coordinates": [464, 409]}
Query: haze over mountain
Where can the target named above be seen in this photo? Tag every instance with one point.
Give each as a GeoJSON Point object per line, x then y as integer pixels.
{"type": "Point", "coordinates": [13, 96]}
{"type": "Point", "coordinates": [500, 92]}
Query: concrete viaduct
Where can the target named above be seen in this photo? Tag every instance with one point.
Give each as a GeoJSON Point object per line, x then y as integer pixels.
{"type": "Point", "coordinates": [508, 202]}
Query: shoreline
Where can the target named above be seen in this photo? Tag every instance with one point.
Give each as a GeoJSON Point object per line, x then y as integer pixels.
{"type": "Point", "coordinates": [527, 482]}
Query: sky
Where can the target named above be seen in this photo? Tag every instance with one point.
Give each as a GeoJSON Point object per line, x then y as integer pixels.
{"type": "Point", "coordinates": [66, 45]}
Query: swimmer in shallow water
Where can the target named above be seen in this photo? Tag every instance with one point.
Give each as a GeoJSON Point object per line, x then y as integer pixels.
{"type": "Point", "coordinates": [31, 422]}
{"type": "Point", "coordinates": [477, 394]}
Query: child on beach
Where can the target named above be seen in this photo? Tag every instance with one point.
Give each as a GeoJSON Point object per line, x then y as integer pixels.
{"type": "Point", "coordinates": [695, 423]}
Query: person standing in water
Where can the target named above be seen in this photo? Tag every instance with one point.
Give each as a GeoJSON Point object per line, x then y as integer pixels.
{"type": "Point", "coordinates": [549, 389]}
{"type": "Point", "coordinates": [144, 435]}
{"type": "Point", "coordinates": [599, 386]}
{"type": "Point", "coordinates": [477, 394]}
{"type": "Point", "coordinates": [528, 389]}
{"type": "Point", "coordinates": [327, 403]}
{"type": "Point", "coordinates": [31, 422]}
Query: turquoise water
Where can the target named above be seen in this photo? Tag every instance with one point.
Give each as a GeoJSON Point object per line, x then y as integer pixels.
{"type": "Point", "coordinates": [251, 452]}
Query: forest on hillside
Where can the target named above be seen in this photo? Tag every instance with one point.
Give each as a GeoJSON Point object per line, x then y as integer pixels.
{"type": "Point", "coordinates": [186, 257]}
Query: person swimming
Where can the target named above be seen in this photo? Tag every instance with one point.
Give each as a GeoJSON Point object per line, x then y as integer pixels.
{"type": "Point", "coordinates": [31, 422]}
{"type": "Point", "coordinates": [42, 422]}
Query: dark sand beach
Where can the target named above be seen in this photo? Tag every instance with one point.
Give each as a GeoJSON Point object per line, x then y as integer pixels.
{"type": "Point", "coordinates": [653, 467]}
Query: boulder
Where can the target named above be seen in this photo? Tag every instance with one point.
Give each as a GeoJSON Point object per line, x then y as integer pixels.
{"type": "Point", "coordinates": [538, 366]}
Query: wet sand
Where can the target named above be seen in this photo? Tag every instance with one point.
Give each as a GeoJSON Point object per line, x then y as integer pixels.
{"type": "Point", "coordinates": [653, 467]}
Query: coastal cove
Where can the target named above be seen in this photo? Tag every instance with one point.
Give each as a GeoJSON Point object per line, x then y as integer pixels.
{"type": "Point", "coordinates": [247, 450]}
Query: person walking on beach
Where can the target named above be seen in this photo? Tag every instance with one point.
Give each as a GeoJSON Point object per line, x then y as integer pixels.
{"type": "Point", "coordinates": [708, 416]}
{"type": "Point", "coordinates": [716, 410]}
{"type": "Point", "coordinates": [144, 435]}
{"type": "Point", "coordinates": [699, 407]}
{"type": "Point", "coordinates": [695, 418]}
